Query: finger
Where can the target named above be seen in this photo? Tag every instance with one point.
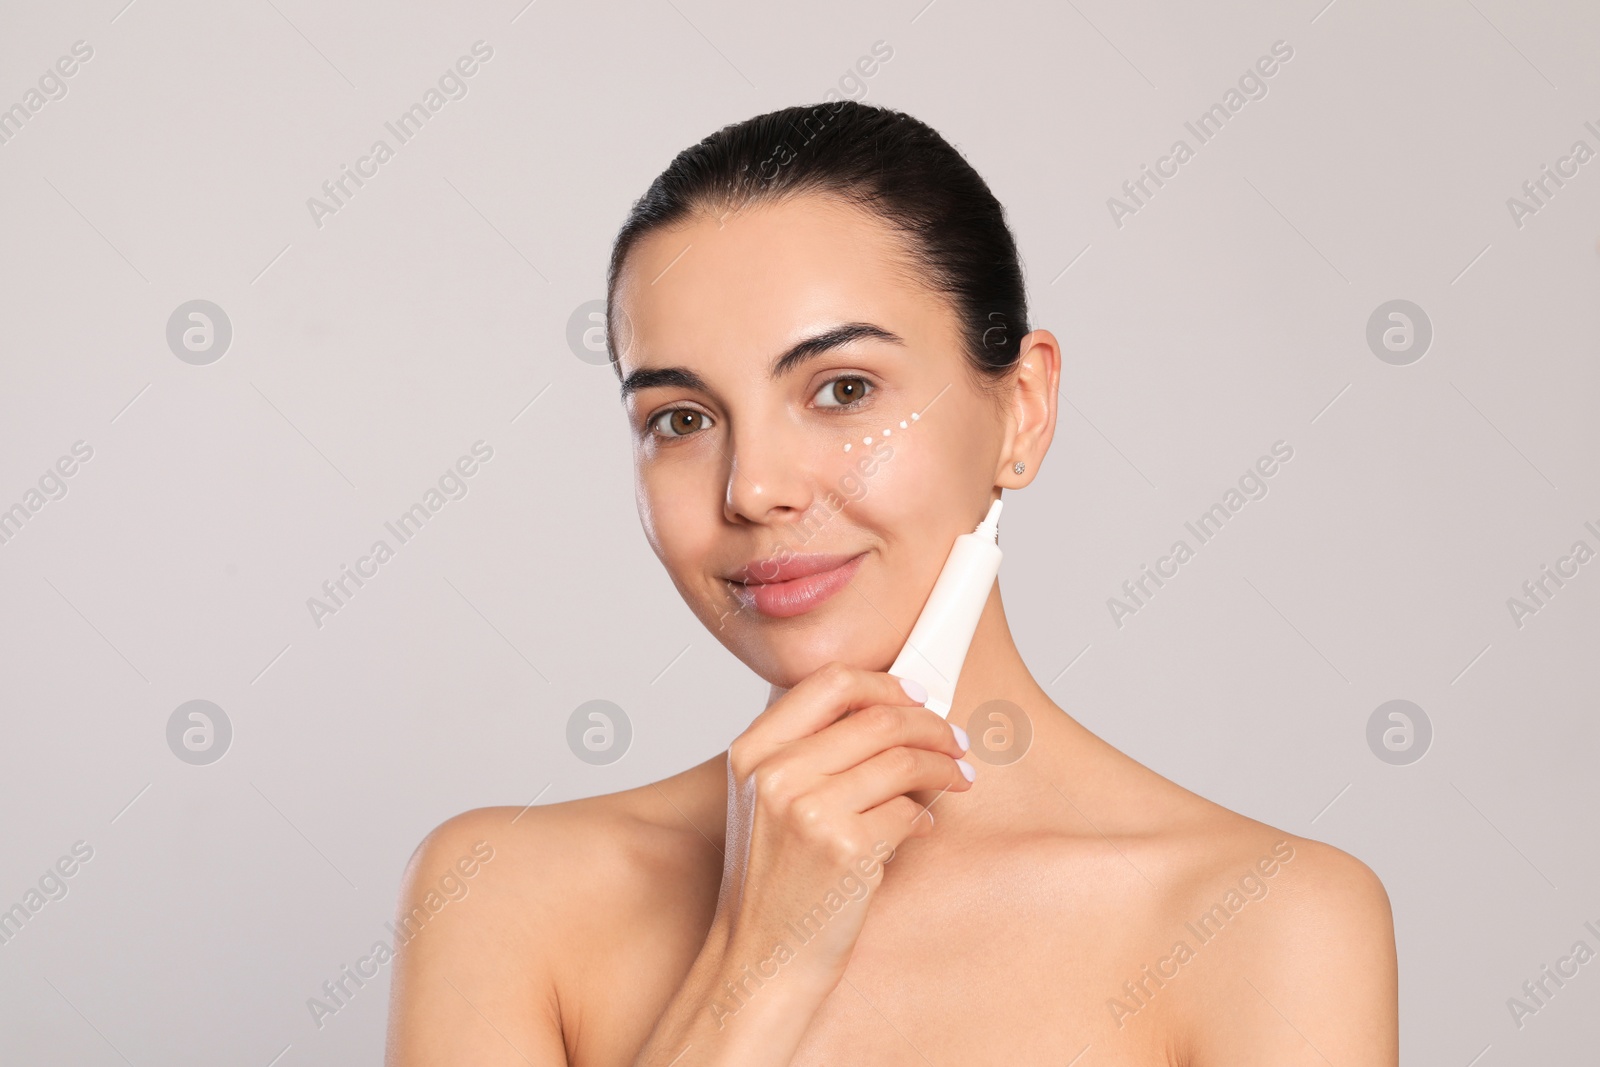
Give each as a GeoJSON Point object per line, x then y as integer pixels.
{"type": "Point", "coordinates": [889, 774]}
{"type": "Point", "coordinates": [823, 697]}
{"type": "Point", "coordinates": [869, 731]}
{"type": "Point", "coordinates": [895, 821]}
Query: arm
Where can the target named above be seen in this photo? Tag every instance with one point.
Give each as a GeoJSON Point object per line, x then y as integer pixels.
{"type": "Point", "coordinates": [1317, 981]}
{"type": "Point", "coordinates": [818, 800]}
{"type": "Point", "coordinates": [704, 1025]}
{"type": "Point", "coordinates": [471, 967]}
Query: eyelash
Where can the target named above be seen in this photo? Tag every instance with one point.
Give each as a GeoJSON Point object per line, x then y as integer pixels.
{"type": "Point", "coordinates": [872, 387]}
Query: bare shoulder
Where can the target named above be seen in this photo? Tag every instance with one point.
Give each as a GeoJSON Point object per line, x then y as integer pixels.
{"type": "Point", "coordinates": [501, 913]}
{"type": "Point", "coordinates": [1291, 941]}
{"type": "Point", "coordinates": [475, 955]}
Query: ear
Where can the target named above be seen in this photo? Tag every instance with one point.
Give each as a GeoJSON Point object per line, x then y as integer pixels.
{"type": "Point", "coordinates": [1032, 409]}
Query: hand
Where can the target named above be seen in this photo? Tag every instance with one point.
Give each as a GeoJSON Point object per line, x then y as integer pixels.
{"type": "Point", "coordinates": [816, 803]}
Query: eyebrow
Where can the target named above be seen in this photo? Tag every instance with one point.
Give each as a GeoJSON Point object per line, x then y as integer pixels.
{"type": "Point", "coordinates": [810, 348]}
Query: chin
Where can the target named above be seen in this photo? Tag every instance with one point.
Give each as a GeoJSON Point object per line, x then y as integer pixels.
{"type": "Point", "coordinates": [788, 658]}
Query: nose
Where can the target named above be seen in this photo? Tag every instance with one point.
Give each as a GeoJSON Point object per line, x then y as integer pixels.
{"type": "Point", "coordinates": [770, 476]}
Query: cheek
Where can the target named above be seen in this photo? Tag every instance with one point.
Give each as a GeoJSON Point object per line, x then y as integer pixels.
{"type": "Point", "coordinates": [862, 478]}
{"type": "Point", "coordinates": [678, 516]}
{"type": "Point", "coordinates": [906, 480]}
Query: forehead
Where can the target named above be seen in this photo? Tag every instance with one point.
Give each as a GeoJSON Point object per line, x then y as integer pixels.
{"type": "Point", "coordinates": [754, 281]}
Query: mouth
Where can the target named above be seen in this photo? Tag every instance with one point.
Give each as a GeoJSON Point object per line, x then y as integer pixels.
{"type": "Point", "coordinates": [795, 587]}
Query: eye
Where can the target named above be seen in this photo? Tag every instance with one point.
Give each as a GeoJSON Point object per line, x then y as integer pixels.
{"type": "Point", "coordinates": [846, 391]}
{"type": "Point", "coordinates": [681, 422]}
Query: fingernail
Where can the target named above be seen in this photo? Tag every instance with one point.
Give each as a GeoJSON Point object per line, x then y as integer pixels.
{"type": "Point", "coordinates": [966, 769]}
{"type": "Point", "coordinates": [915, 690]}
{"type": "Point", "coordinates": [961, 736]}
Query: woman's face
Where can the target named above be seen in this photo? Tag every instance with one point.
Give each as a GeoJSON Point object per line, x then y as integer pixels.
{"type": "Point", "coordinates": [859, 458]}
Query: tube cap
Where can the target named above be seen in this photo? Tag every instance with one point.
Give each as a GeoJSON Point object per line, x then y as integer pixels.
{"type": "Point", "coordinates": [991, 522]}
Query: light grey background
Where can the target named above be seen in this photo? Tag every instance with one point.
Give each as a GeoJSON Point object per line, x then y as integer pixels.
{"type": "Point", "coordinates": [432, 311]}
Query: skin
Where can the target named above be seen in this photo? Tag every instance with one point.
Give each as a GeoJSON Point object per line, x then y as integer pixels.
{"type": "Point", "coordinates": [1005, 926]}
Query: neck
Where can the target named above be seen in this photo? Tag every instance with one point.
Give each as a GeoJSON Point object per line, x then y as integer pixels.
{"type": "Point", "coordinates": [1019, 737]}
{"type": "Point", "coordinates": [1021, 741]}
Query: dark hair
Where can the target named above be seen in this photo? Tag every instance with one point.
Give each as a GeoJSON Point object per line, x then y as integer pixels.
{"type": "Point", "coordinates": [874, 157]}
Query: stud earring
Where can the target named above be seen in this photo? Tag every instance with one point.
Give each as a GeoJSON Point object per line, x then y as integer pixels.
{"type": "Point", "coordinates": [1019, 466]}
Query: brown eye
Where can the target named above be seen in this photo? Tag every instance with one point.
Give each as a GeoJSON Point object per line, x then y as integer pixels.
{"type": "Point", "coordinates": [680, 422]}
{"type": "Point", "coordinates": [843, 392]}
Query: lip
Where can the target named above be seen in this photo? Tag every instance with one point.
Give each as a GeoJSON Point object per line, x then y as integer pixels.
{"type": "Point", "coordinates": [770, 572]}
{"type": "Point", "coordinates": [795, 586]}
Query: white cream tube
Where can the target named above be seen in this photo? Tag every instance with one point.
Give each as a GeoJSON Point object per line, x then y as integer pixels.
{"type": "Point", "coordinates": [938, 643]}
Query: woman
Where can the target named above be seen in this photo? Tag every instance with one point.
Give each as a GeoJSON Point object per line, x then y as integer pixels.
{"type": "Point", "coordinates": [818, 322]}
